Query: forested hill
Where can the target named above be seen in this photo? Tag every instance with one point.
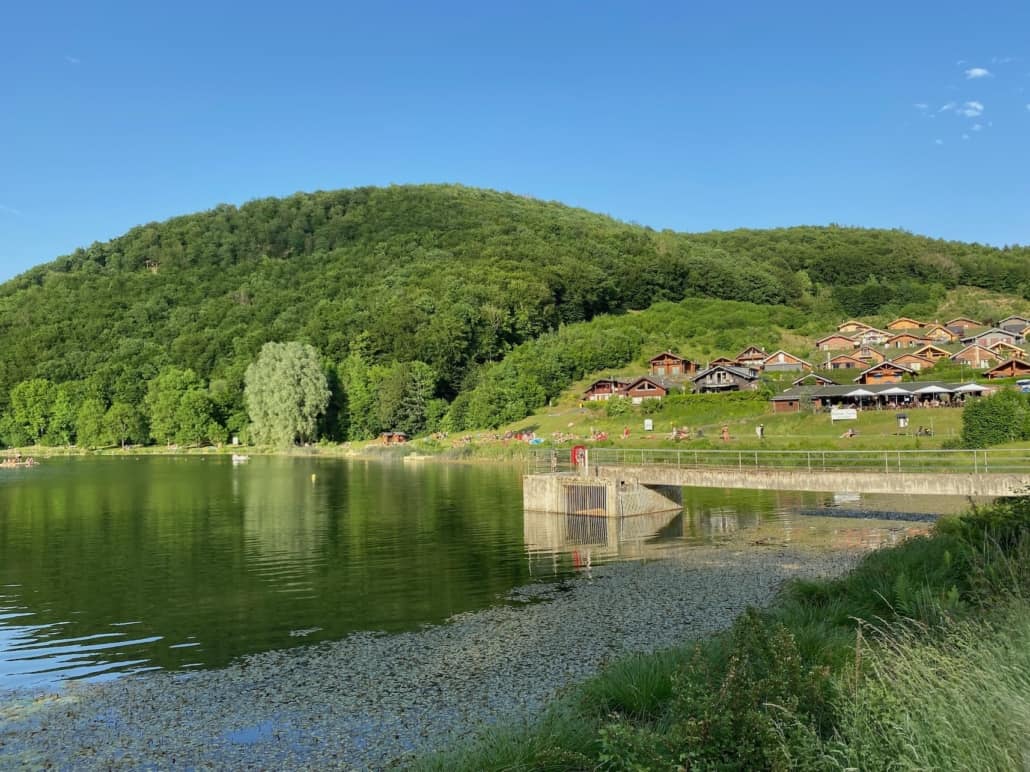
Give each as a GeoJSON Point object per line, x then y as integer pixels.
{"type": "Point", "coordinates": [447, 275]}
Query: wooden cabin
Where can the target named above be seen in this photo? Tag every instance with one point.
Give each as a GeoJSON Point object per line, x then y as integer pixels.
{"type": "Point", "coordinates": [852, 326]}
{"type": "Point", "coordinates": [605, 388]}
{"type": "Point", "coordinates": [726, 378]}
{"type": "Point", "coordinates": [724, 362]}
{"type": "Point", "coordinates": [868, 355]}
{"type": "Point", "coordinates": [871, 337]}
{"type": "Point", "coordinates": [905, 340]}
{"type": "Point", "coordinates": [836, 342]}
{"type": "Point", "coordinates": [783, 362]}
{"type": "Point", "coordinates": [989, 337]}
{"type": "Point", "coordinates": [845, 362]}
{"type": "Point", "coordinates": [1014, 324]}
{"type": "Point", "coordinates": [884, 372]}
{"type": "Point", "coordinates": [913, 362]}
{"type": "Point", "coordinates": [752, 356]}
{"type": "Point", "coordinates": [938, 333]}
{"type": "Point", "coordinates": [904, 323]}
{"type": "Point", "coordinates": [645, 388]}
{"type": "Point", "coordinates": [1007, 350]}
{"type": "Point", "coordinates": [932, 352]}
{"type": "Point", "coordinates": [669, 365]}
{"type": "Point", "coordinates": [813, 379]}
{"type": "Point", "coordinates": [1010, 368]}
{"type": "Point", "coordinates": [961, 324]}
{"type": "Point", "coordinates": [976, 356]}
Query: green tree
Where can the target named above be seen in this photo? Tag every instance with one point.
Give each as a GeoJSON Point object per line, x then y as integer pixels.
{"type": "Point", "coordinates": [1000, 418]}
{"type": "Point", "coordinates": [124, 424]}
{"type": "Point", "coordinates": [285, 391]}
{"type": "Point", "coordinates": [32, 407]}
{"type": "Point", "coordinates": [89, 424]}
{"type": "Point", "coordinates": [179, 408]}
{"type": "Point", "coordinates": [361, 396]}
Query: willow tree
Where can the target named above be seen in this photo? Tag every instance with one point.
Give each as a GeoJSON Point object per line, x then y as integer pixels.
{"type": "Point", "coordinates": [285, 391]}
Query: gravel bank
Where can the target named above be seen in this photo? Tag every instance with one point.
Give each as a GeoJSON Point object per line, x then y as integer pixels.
{"type": "Point", "coordinates": [370, 699]}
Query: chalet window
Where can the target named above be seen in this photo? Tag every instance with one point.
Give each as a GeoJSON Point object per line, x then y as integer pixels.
{"type": "Point", "coordinates": [660, 369]}
{"type": "Point", "coordinates": [674, 370]}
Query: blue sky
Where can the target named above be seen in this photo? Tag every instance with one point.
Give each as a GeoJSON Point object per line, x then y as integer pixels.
{"type": "Point", "coordinates": [676, 115]}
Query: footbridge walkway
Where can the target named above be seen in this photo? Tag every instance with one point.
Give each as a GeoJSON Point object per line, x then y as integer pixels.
{"type": "Point", "coordinates": [629, 477]}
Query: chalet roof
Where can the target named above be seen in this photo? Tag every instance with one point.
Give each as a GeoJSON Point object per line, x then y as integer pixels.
{"type": "Point", "coordinates": [650, 379]}
{"type": "Point", "coordinates": [752, 349]}
{"type": "Point", "coordinates": [962, 319]}
{"type": "Point", "coordinates": [835, 335]}
{"type": "Point", "coordinates": [819, 378]}
{"type": "Point", "coordinates": [1015, 317]}
{"type": "Point", "coordinates": [918, 351]}
{"type": "Point", "coordinates": [1007, 363]}
{"type": "Point", "coordinates": [1004, 344]}
{"type": "Point", "coordinates": [986, 331]}
{"type": "Point", "coordinates": [786, 354]}
{"type": "Point", "coordinates": [849, 358]}
{"type": "Point", "coordinates": [852, 321]}
{"type": "Point", "coordinates": [916, 322]}
{"type": "Point", "coordinates": [741, 372]}
{"type": "Point", "coordinates": [665, 354]}
{"type": "Point", "coordinates": [910, 356]}
{"type": "Point", "coordinates": [972, 346]}
{"type": "Point", "coordinates": [880, 365]}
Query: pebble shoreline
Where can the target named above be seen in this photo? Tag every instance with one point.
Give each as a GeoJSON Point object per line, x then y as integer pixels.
{"type": "Point", "coordinates": [372, 700]}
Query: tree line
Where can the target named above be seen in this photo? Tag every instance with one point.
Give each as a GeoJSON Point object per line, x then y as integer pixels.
{"type": "Point", "coordinates": [416, 295]}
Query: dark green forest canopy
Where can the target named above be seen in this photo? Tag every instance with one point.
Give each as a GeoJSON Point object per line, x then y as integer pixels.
{"type": "Point", "coordinates": [451, 276]}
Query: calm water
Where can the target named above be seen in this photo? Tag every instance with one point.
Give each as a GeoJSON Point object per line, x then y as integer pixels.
{"type": "Point", "coordinates": [110, 566]}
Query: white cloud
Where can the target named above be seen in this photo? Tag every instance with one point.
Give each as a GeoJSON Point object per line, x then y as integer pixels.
{"type": "Point", "coordinates": [947, 107]}
{"type": "Point", "coordinates": [965, 136]}
{"type": "Point", "coordinates": [971, 109]}
{"type": "Point", "coordinates": [11, 211]}
{"type": "Point", "coordinates": [938, 142]}
{"type": "Point", "coordinates": [977, 127]}
{"type": "Point", "coordinates": [1028, 107]}
{"type": "Point", "coordinates": [72, 60]}
{"type": "Point", "coordinates": [1002, 59]}
{"type": "Point", "coordinates": [921, 105]}
{"type": "Point", "coordinates": [977, 72]}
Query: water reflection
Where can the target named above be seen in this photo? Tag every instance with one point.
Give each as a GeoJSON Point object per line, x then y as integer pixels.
{"type": "Point", "coordinates": [741, 518]}
{"type": "Point", "coordinates": [110, 566]}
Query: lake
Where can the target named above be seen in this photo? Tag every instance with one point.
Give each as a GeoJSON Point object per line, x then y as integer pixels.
{"type": "Point", "coordinates": [117, 565]}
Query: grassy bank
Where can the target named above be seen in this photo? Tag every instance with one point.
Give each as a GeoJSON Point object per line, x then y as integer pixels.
{"type": "Point", "coordinates": [920, 658]}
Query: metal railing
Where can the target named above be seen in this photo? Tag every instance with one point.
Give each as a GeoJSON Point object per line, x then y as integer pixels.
{"type": "Point", "coordinates": [885, 461]}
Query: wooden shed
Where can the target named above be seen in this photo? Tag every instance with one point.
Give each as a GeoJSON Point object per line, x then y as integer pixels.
{"type": "Point", "coordinates": [1010, 368]}
{"type": "Point", "coordinates": [670, 365]}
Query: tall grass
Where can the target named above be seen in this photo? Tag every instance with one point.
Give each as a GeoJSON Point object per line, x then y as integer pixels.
{"type": "Point", "coordinates": [918, 659]}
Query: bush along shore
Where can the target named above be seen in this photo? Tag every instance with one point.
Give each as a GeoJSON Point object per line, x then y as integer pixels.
{"type": "Point", "coordinates": [917, 659]}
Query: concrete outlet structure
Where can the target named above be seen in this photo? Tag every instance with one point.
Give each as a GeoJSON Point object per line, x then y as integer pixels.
{"type": "Point", "coordinates": [602, 496]}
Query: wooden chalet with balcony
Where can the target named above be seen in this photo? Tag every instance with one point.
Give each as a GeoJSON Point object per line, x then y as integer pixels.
{"type": "Point", "coordinates": [606, 388]}
{"type": "Point", "coordinates": [1010, 368]}
{"type": "Point", "coordinates": [643, 388]}
{"type": "Point", "coordinates": [784, 362]}
{"type": "Point", "coordinates": [872, 337]}
{"type": "Point", "coordinates": [989, 337]}
{"type": "Point", "coordinates": [977, 357]}
{"type": "Point", "coordinates": [913, 362]}
{"type": "Point", "coordinates": [1014, 324]}
{"type": "Point", "coordinates": [938, 333]}
{"type": "Point", "coordinates": [725, 378]}
{"type": "Point", "coordinates": [884, 372]}
{"type": "Point", "coordinates": [669, 365]}
{"type": "Point", "coordinates": [906, 340]}
{"type": "Point", "coordinates": [1007, 350]}
{"type": "Point", "coordinates": [845, 362]}
{"type": "Point", "coordinates": [962, 323]}
{"type": "Point", "coordinates": [838, 341]}
{"type": "Point", "coordinates": [933, 352]}
{"type": "Point", "coordinates": [752, 356]}
{"type": "Point", "coordinates": [869, 355]}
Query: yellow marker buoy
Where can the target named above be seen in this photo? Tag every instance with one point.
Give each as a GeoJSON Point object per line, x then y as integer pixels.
{"type": "Point", "coordinates": [312, 478]}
